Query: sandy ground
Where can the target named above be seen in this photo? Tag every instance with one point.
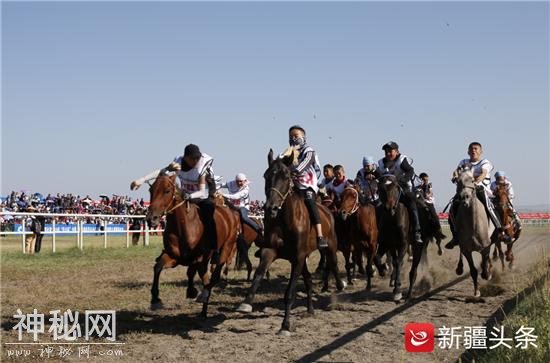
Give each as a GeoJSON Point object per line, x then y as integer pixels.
{"type": "Point", "coordinates": [351, 326]}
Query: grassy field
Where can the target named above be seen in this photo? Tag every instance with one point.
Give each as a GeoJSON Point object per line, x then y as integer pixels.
{"type": "Point", "coordinates": [119, 278]}
{"type": "Point", "coordinates": [532, 311]}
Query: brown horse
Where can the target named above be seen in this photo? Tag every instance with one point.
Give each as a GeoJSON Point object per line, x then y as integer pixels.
{"type": "Point", "coordinates": [360, 223]}
{"type": "Point", "coordinates": [184, 240]}
{"type": "Point", "coordinates": [290, 236]}
{"type": "Point", "coordinates": [246, 236]}
{"type": "Point", "coordinates": [506, 215]}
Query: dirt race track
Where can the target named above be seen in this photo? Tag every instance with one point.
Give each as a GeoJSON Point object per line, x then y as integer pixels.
{"type": "Point", "coordinates": [351, 326]}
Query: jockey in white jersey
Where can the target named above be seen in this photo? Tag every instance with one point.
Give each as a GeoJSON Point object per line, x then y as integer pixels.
{"type": "Point", "coordinates": [338, 184]}
{"type": "Point", "coordinates": [501, 178]}
{"type": "Point", "coordinates": [194, 170]}
{"type": "Point", "coordinates": [239, 195]}
{"type": "Point", "coordinates": [400, 166]}
{"type": "Point", "coordinates": [305, 176]}
{"type": "Point", "coordinates": [482, 179]}
{"type": "Point", "coordinates": [366, 179]}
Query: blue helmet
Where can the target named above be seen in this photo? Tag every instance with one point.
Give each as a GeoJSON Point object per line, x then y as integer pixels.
{"type": "Point", "coordinates": [367, 160]}
{"type": "Point", "coordinates": [499, 174]}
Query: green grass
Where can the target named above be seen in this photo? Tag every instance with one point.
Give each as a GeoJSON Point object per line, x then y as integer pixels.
{"type": "Point", "coordinates": [534, 312]}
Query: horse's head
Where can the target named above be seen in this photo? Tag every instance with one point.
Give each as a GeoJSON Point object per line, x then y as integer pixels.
{"type": "Point", "coordinates": [349, 202]}
{"type": "Point", "coordinates": [501, 195]}
{"type": "Point", "coordinates": [465, 186]}
{"type": "Point", "coordinates": [278, 183]}
{"type": "Point", "coordinates": [163, 195]}
{"type": "Point", "coordinates": [389, 191]}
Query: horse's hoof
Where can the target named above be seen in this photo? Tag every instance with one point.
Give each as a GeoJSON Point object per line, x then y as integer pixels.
{"type": "Point", "coordinates": [397, 297]}
{"type": "Point", "coordinates": [244, 308]}
{"type": "Point", "coordinates": [410, 258]}
{"type": "Point", "coordinates": [477, 293]}
{"type": "Point", "coordinates": [391, 283]}
{"type": "Point", "coordinates": [459, 270]}
{"type": "Point", "coordinates": [284, 333]}
{"type": "Point", "coordinates": [192, 293]}
{"type": "Point", "coordinates": [203, 297]}
{"type": "Point", "coordinates": [344, 285]}
{"type": "Point", "coordinates": [485, 275]}
{"type": "Point", "coordinates": [157, 306]}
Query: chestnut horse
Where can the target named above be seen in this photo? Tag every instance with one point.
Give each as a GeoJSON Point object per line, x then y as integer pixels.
{"type": "Point", "coordinates": [362, 230]}
{"type": "Point", "coordinates": [246, 236]}
{"type": "Point", "coordinates": [289, 235]}
{"type": "Point", "coordinates": [506, 215]}
{"type": "Point", "coordinates": [184, 240]}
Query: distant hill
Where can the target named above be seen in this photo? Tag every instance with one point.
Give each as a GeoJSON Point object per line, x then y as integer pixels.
{"type": "Point", "coordinates": [533, 208]}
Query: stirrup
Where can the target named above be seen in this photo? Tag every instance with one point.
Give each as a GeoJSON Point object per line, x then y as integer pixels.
{"type": "Point", "coordinates": [418, 237]}
{"type": "Point", "coordinates": [321, 243]}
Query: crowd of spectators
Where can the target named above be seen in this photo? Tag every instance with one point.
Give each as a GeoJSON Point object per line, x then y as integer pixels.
{"type": "Point", "coordinates": [75, 204]}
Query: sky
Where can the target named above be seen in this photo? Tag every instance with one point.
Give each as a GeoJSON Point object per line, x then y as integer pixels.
{"type": "Point", "coordinates": [97, 94]}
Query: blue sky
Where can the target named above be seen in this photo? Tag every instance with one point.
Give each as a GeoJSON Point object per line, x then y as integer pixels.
{"type": "Point", "coordinates": [97, 94]}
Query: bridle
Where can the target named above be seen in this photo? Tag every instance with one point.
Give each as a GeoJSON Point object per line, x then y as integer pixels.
{"type": "Point", "coordinates": [169, 210]}
{"type": "Point", "coordinates": [281, 195]}
{"type": "Point", "coordinates": [356, 203]}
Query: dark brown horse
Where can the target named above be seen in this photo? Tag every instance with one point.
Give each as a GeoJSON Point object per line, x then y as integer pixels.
{"type": "Point", "coordinates": [506, 215]}
{"type": "Point", "coordinates": [184, 240]}
{"type": "Point", "coordinates": [362, 229]}
{"type": "Point", "coordinates": [289, 235]}
{"type": "Point", "coordinates": [396, 233]}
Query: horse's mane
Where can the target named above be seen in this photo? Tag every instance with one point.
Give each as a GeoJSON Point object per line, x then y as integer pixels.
{"type": "Point", "coordinates": [293, 153]}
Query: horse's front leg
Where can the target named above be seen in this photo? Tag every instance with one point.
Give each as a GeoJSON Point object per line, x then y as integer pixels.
{"type": "Point", "coordinates": [346, 251]}
{"type": "Point", "coordinates": [473, 272]}
{"type": "Point", "coordinates": [486, 264]}
{"type": "Point", "coordinates": [290, 294]}
{"type": "Point", "coordinates": [309, 288]}
{"type": "Point", "coordinates": [207, 292]}
{"type": "Point", "coordinates": [266, 259]}
{"type": "Point", "coordinates": [191, 290]}
{"type": "Point", "coordinates": [510, 256]}
{"type": "Point", "coordinates": [398, 264]}
{"type": "Point", "coordinates": [460, 267]}
{"type": "Point", "coordinates": [163, 261]}
{"type": "Point", "coordinates": [417, 255]}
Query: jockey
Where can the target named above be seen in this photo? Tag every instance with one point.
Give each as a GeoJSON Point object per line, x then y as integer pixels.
{"type": "Point", "coordinates": [239, 195]}
{"type": "Point", "coordinates": [501, 178]}
{"type": "Point", "coordinates": [338, 184]}
{"type": "Point", "coordinates": [305, 176]}
{"type": "Point", "coordinates": [366, 179]}
{"type": "Point", "coordinates": [328, 176]}
{"type": "Point", "coordinates": [426, 191]}
{"type": "Point", "coordinates": [194, 170]}
{"type": "Point", "coordinates": [482, 178]}
{"type": "Point", "coordinates": [400, 166]}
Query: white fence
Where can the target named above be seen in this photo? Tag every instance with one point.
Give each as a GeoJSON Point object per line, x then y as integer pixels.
{"type": "Point", "coordinates": [80, 232]}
